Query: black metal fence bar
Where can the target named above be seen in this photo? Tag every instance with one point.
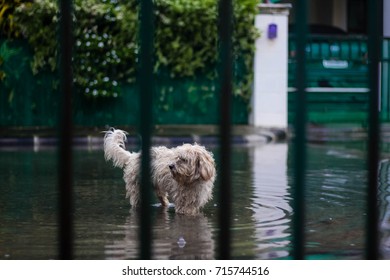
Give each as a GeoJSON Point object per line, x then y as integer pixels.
{"type": "Point", "coordinates": [65, 126]}
{"type": "Point", "coordinates": [300, 134]}
{"type": "Point", "coordinates": [146, 86]}
{"type": "Point", "coordinates": [225, 19]}
{"type": "Point", "coordinates": [374, 56]}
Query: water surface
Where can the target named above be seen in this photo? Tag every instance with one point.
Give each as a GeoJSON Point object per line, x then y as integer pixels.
{"type": "Point", "coordinates": [262, 176]}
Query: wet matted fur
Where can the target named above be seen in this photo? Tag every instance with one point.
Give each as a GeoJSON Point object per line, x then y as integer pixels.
{"type": "Point", "coordinates": [184, 174]}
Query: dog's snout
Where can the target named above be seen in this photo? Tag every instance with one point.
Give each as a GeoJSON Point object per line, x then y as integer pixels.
{"type": "Point", "coordinates": [171, 166]}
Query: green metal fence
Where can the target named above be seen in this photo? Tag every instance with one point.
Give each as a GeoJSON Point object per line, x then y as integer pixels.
{"type": "Point", "coordinates": [337, 79]}
{"type": "Point", "coordinates": [385, 78]}
{"type": "Point", "coordinates": [333, 61]}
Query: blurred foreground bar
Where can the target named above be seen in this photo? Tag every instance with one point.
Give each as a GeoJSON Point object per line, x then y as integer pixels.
{"type": "Point", "coordinates": [65, 128]}
{"type": "Point", "coordinates": [300, 134]}
{"type": "Point", "coordinates": [375, 31]}
{"type": "Point", "coordinates": [225, 18]}
{"type": "Point", "coordinates": [146, 85]}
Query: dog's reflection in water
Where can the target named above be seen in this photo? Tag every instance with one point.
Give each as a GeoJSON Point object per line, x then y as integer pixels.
{"type": "Point", "coordinates": [174, 236]}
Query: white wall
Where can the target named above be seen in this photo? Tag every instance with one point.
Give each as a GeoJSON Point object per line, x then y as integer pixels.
{"type": "Point", "coordinates": [269, 99]}
{"type": "Point", "coordinates": [340, 14]}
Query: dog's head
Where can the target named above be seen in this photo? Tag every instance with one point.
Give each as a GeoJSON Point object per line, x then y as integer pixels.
{"type": "Point", "coordinates": [192, 163]}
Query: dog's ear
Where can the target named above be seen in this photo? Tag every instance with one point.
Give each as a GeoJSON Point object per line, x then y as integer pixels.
{"type": "Point", "coordinates": [206, 166]}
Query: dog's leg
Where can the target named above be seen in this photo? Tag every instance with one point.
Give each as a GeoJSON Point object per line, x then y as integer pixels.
{"type": "Point", "coordinates": [162, 196]}
{"type": "Point", "coordinates": [164, 200]}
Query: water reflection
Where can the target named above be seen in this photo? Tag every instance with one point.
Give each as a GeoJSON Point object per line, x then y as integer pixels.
{"type": "Point", "coordinates": [384, 193]}
{"type": "Point", "coordinates": [270, 200]}
{"type": "Point", "coordinates": [174, 237]}
{"type": "Point", "coordinates": [27, 205]}
{"type": "Point", "coordinates": [335, 201]}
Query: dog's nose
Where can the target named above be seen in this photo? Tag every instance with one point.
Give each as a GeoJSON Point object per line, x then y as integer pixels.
{"type": "Point", "coordinates": [171, 166]}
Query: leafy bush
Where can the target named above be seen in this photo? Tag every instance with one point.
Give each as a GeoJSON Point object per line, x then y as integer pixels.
{"type": "Point", "coordinates": [106, 42]}
{"type": "Point", "coordinates": [7, 23]}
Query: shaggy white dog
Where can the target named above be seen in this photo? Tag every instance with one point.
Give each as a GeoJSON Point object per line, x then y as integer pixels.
{"type": "Point", "coordinates": [185, 174]}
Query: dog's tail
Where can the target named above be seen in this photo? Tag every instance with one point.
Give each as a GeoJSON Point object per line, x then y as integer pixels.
{"type": "Point", "coordinates": [114, 147]}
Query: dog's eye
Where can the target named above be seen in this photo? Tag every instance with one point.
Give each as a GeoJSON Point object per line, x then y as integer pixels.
{"type": "Point", "coordinates": [182, 159]}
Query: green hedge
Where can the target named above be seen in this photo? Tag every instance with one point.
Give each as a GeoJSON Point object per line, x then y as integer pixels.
{"type": "Point", "coordinates": [106, 42]}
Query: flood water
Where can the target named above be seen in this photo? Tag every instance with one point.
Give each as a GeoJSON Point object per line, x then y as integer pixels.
{"type": "Point", "coordinates": [106, 227]}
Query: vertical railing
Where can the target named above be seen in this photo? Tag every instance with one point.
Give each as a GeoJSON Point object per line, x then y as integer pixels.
{"type": "Point", "coordinates": [146, 85]}
{"type": "Point", "coordinates": [385, 80]}
{"type": "Point", "coordinates": [225, 19]}
{"type": "Point", "coordinates": [65, 128]}
{"type": "Point", "coordinates": [374, 55]}
{"type": "Point", "coordinates": [300, 133]}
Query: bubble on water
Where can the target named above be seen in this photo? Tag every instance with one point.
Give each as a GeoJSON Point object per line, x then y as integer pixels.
{"type": "Point", "coordinates": [181, 242]}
